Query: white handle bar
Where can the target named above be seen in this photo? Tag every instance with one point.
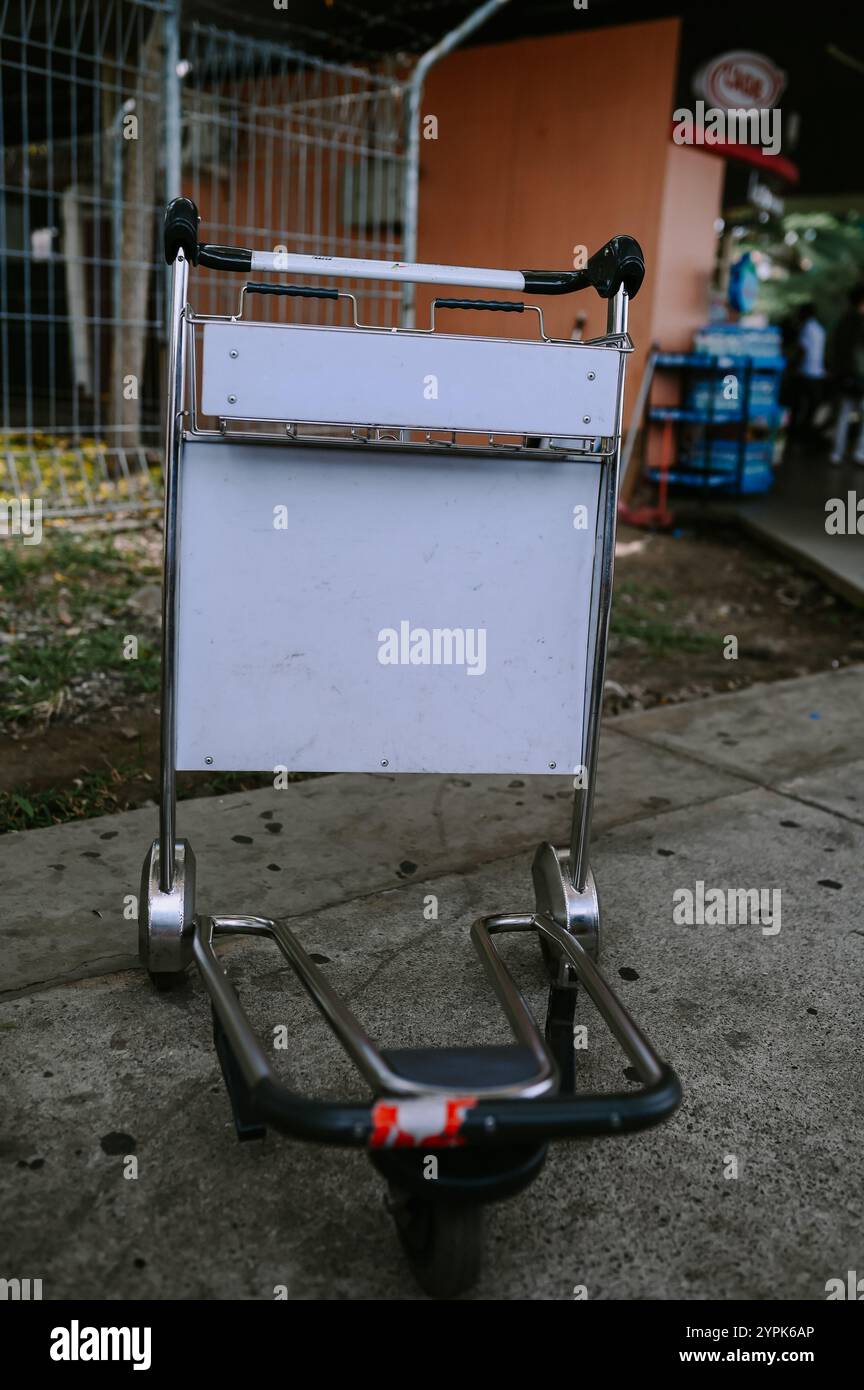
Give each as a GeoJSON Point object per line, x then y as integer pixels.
{"type": "Point", "coordinates": [356, 269]}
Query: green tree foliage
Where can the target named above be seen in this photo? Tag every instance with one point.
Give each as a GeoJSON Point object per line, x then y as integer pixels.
{"type": "Point", "coordinates": [814, 256]}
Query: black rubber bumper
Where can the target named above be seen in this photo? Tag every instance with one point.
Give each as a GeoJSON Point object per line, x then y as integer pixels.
{"type": "Point", "coordinates": [488, 1124]}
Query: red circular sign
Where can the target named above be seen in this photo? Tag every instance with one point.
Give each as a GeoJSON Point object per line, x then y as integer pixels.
{"type": "Point", "coordinates": [741, 79]}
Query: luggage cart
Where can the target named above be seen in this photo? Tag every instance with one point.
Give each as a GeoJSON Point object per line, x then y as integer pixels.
{"type": "Point", "coordinates": [437, 600]}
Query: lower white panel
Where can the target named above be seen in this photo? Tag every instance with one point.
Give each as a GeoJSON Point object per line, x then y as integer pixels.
{"type": "Point", "coordinates": [302, 567]}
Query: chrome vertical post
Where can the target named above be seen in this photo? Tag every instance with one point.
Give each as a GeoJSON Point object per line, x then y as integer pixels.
{"type": "Point", "coordinates": [583, 805]}
{"type": "Point", "coordinates": [171, 114]}
{"type": "Point", "coordinates": [173, 444]}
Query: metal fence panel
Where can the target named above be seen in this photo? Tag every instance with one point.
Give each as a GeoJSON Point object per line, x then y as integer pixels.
{"type": "Point", "coordinates": [284, 149]}
{"type": "Point", "coordinates": [277, 147]}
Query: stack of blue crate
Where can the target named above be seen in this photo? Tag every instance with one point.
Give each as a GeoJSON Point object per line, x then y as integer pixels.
{"type": "Point", "coordinates": [731, 347]}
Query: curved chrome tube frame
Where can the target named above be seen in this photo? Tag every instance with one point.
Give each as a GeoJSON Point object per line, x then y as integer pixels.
{"type": "Point", "coordinates": [497, 1115]}
{"type": "Point", "coordinates": [364, 1054]}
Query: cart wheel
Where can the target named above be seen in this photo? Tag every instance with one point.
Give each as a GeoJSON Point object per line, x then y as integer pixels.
{"type": "Point", "coordinates": [442, 1240]}
{"type": "Point", "coordinates": [165, 980]}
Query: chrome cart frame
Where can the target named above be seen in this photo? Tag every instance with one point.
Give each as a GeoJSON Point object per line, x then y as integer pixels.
{"type": "Point", "coordinates": [490, 1111]}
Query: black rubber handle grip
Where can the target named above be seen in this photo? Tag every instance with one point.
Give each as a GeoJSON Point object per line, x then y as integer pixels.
{"type": "Point", "coordinates": [224, 257]}
{"type": "Point", "coordinates": [181, 234]}
{"type": "Point", "coordinates": [181, 230]}
{"type": "Point", "coordinates": [619, 262]}
{"type": "Point", "coordinates": [502, 306]}
{"type": "Point", "coordinates": [300, 291]}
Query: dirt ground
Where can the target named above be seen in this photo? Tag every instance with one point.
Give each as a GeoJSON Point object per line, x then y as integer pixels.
{"type": "Point", "coordinates": [81, 730]}
{"type": "Point", "coordinates": [680, 597]}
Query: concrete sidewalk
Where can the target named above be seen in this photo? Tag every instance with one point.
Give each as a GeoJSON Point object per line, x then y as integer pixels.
{"type": "Point", "coordinates": [757, 789]}
{"type": "Point", "coordinates": [792, 518]}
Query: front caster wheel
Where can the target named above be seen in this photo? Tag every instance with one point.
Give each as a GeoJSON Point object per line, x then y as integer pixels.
{"type": "Point", "coordinates": [163, 981]}
{"type": "Point", "coordinates": [442, 1240]}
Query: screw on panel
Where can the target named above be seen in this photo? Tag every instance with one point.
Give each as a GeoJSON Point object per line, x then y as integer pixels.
{"type": "Point", "coordinates": [235, 353]}
{"type": "Point", "coordinates": [591, 376]}
{"type": "Point", "coordinates": [232, 400]}
{"type": "Point", "coordinates": [385, 762]}
{"type": "Point", "coordinates": [552, 766]}
{"type": "Point", "coordinates": [209, 762]}
{"type": "Point", "coordinates": [586, 419]}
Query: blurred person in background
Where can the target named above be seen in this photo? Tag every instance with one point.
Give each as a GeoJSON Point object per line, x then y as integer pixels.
{"type": "Point", "coordinates": [808, 375]}
{"type": "Point", "coordinates": [846, 359]}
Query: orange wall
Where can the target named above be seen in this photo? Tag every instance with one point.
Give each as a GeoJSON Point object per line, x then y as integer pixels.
{"type": "Point", "coordinates": [692, 199]}
{"type": "Point", "coordinates": [543, 145]}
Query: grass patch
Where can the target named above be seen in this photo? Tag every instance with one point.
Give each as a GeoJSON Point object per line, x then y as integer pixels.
{"type": "Point", "coordinates": [105, 792]}
{"type": "Point", "coordinates": [645, 593]}
{"type": "Point", "coordinates": [39, 670]}
{"type": "Point", "coordinates": [642, 617]}
{"type": "Point", "coordinates": [66, 601]}
{"type": "Point", "coordinates": [95, 794]}
{"type": "Point", "coordinates": [660, 636]}
{"type": "Point", "coordinates": [59, 559]}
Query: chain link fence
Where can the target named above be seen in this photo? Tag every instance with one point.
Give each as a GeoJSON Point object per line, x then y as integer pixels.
{"type": "Point", "coordinates": [105, 106]}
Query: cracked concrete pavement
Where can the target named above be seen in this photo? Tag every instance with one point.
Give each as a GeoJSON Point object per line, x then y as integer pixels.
{"type": "Point", "coordinates": [762, 788]}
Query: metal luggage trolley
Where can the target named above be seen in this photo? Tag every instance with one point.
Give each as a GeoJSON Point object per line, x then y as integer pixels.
{"type": "Point", "coordinates": [439, 603]}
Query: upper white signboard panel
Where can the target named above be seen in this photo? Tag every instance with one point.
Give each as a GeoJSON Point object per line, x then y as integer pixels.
{"type": "Point", "coordinates": [433, 381]}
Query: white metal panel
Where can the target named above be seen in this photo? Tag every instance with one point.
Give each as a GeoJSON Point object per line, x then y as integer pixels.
{"type": "Point", "coordinates": [280, 632]}
{"type": "Point", "coordinates": [432, 380]}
